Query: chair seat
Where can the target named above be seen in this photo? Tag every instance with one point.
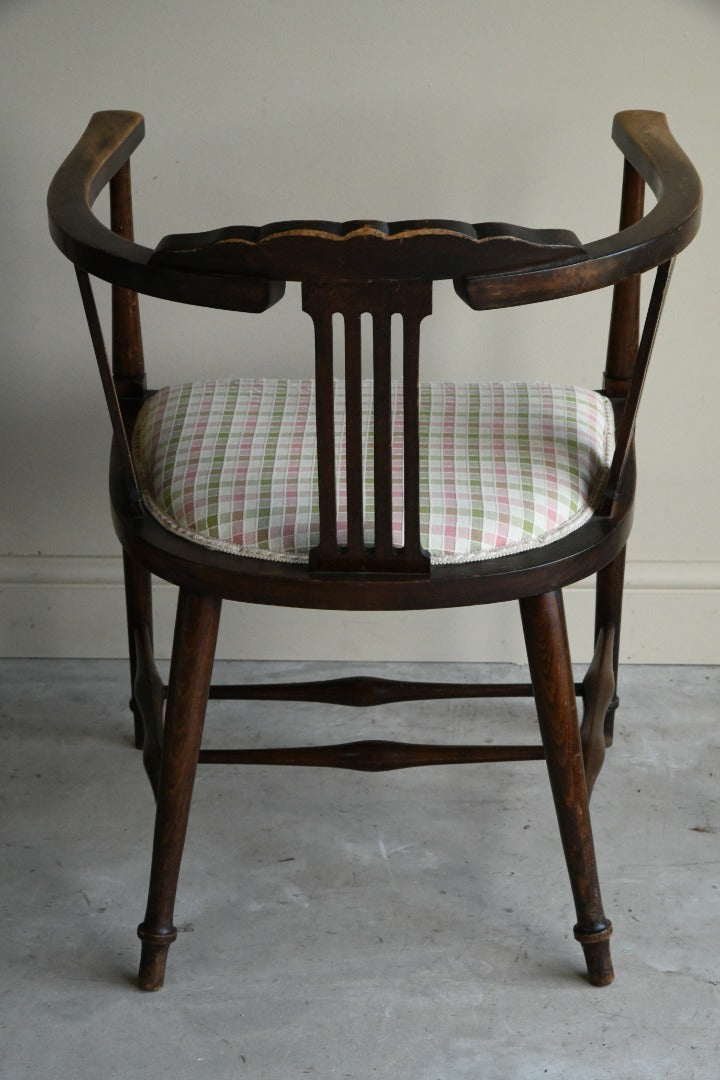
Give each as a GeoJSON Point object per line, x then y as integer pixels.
{"type": "Point", "coordinates": [505, 467]}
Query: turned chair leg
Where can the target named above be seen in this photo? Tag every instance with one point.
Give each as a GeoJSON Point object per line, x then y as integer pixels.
{"type": "Point", "coordinates": [546, 640]}
{"type": "Point", "coordinates": [190, 673]}
{"type": "Point", "coordinates": [608, 612]}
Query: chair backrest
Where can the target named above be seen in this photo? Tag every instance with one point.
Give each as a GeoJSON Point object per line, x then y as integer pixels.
{"type": "Point", "coordinates": [369, 267]}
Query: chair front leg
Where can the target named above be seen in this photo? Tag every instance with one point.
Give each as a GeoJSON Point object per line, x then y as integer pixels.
{"type": "Point", "coordinates": [196, 629]}
{"type": "Point", "coordinates": [548, 653]}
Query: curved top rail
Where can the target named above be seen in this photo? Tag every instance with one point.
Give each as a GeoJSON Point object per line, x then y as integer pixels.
{"type": "Point", "coordinates": [427, 249]}
{"type": "Point", "coordinates": [493, 264]}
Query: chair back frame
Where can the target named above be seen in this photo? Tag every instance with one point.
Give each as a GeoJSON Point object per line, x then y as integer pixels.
{"type": "Point", "coordinates": [371, 266]}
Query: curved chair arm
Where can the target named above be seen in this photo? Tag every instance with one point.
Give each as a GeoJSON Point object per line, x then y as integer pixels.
{"type": "Point", "coordinates": [106, 145]}
{"type": "Point", "coordinates": [648, 145]}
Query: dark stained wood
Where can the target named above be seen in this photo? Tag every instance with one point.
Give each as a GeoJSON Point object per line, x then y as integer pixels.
{"type": "Point", "coordinates": [643, 136]}
{"type": "Point", "coordinates": [598, 693]}
{"type": "Point", "coordinates": [625, 317]}
{"type": "Point", "coordinates": [371, 755]}
{"type": "Point", "coordinates": [350, 269]}
{"type": "Point", "coordinates": [366, 691]}
{"type": "Point", "coordinates": [626, 431]}
{"type": "Point", "coordinates": [543, 620]}
{"type": "Point", "coordinates": [127, 352]}
{"type": "Point", "coordinates": [353, 440]}
{"type": "Point", "coordinates": [645, 139]}
{"type": "Point", "coordinates": [412, 300]}
{"type": "Point", "coordinates": [352, 250]}
{"type": "Point", "coordinates": [143, 672]}
{"type": "Point", "coordinates": [148, 701]}
{"type": "Point", "coordinates": [106, 145]}
{"type": "Point", "coordinates": [608, 612]}
{"type": "Point", "coordinates": [324, 406]}
{"type": "Point", "coordinates": [122, 441]}
{"type": "Point", "coordinates": [196, 629]}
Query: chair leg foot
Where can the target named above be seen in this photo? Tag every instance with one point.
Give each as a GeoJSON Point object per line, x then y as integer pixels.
{"type": "Point", "coordinates": [596, 947]}
{"type": "Point", "coordinates": [599, 964]}
{"type": "Point", "coordinates": [153, 958]}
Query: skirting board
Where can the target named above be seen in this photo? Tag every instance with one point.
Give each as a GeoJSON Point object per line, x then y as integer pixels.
{"type": "Point", "coordinates": [74, 607]}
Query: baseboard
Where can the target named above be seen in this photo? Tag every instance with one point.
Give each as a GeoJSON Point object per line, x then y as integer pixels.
{"type": "Point", "coordinates": [65, 607]}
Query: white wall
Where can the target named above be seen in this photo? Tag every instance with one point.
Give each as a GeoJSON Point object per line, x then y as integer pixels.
{"type": "Point", "coordinates": [265, 109]}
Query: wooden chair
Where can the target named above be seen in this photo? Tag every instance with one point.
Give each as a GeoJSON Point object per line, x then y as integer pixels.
{"type": "Point", "coordinates": [333, 492]}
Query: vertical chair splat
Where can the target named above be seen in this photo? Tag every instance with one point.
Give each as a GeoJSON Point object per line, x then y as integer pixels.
{"type": "Point", "coordinates": [413, 301]}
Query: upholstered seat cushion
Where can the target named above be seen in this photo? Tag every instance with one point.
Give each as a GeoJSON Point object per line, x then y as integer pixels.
{"type": "Point", "coordinates": [505, 467]}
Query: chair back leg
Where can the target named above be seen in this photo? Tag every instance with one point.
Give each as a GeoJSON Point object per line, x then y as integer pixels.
{"type": "Point", "coordinates": [138, 607]}
{"type": "Point", "coordinates": [608, 612]}
{"type": "Point", "coordinates": [543, 619]}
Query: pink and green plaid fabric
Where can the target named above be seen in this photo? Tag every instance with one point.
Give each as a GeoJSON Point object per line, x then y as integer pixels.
{"type": "Point", "coordinates": [505, 467]}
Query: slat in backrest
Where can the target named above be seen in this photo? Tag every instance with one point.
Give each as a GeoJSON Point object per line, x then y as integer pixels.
{"type": "Point", "coordinates": [381, 300]}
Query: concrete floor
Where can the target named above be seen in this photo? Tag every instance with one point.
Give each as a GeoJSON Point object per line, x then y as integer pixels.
{"type": "Point", "coordinates": [409, 925]}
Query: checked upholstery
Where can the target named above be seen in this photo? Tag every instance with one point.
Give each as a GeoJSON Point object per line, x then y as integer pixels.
{"type": "Point", "coordinates": [505, 467]}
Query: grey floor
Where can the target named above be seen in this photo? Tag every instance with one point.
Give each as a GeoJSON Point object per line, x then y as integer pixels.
{"type": "Point", "coordinates": [408, 925]}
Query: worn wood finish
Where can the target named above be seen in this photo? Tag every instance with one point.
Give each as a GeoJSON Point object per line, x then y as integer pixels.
{"type": "Point", "coordinates": [543, 620]}
{"type": "Point", "coordinates": [353, 268]}
{"type": "Point", "coordinates": [190, 672]}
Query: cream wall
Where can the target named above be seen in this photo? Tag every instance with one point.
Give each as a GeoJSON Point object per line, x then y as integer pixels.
{"type": "Point", "coordinates": [265, 109]}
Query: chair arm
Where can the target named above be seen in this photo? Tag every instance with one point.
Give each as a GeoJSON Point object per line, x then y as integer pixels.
{"type": "Point", "coordinates": [106, 145]}
{"type": "Point", "coordinates": [646, 142]}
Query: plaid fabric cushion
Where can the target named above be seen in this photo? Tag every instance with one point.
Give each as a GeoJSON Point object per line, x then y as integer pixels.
{"type": "Point", "coordinates": [504, 467]}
